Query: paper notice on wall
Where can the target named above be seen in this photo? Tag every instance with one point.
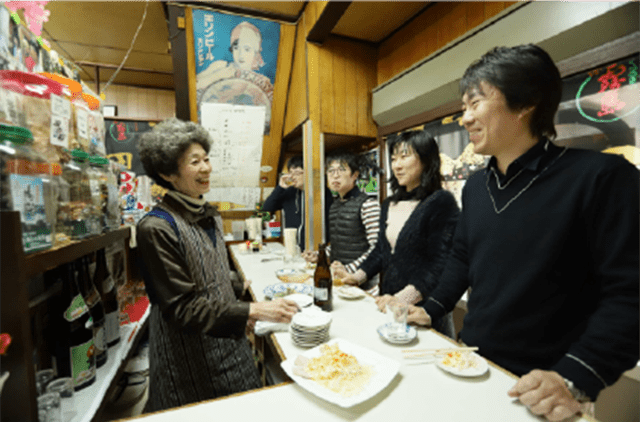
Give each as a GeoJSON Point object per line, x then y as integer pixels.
{"type": "Point", "coordinates": [236, 152]}
{"type": "Point", "coordinates": [59, 131]}
{"type": "Point", "coordinates": [60, 106]}
{"type": "Point", "coordinates": [81, 122]}
{"type": "Point", "coordinates": [243, 198]}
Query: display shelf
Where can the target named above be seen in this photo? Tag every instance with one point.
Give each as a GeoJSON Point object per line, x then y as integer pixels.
{"type": "Point", "coordinates": [42, 261]}
{"type": "Point", "coordinates": [18, 400]}
{"type": "Point", "coordinates": [89, 400]}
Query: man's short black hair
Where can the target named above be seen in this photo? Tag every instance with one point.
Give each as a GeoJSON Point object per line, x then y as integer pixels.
{"type": "Point", "coordinates": [295, 162]}
{"type": "Point", "coordinates": [526, 76]}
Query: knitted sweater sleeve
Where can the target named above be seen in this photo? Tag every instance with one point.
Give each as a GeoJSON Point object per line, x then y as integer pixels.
{"type": "Point", "coordinates": [437, 227]}
{"type": "Point", "coordinates": [373, 264]}
{"type": "Point", "coordinates": [610, 342]}
{"type": "Point", "coordinates": [370, 217]}
{"type": "Point", "coordinates": [454, 279]}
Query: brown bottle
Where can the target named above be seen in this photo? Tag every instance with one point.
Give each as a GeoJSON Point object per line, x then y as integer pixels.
{"type": "Point", "coordinates": [322, 282]}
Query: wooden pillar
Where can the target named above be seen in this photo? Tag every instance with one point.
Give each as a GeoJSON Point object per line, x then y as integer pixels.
{"type": "Point", "coordinates": [313, 150]}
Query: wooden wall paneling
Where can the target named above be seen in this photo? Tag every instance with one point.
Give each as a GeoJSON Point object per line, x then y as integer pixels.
{"type": "Point", "coordinates": [439, 24]}
{"type": "Point", "coordinates": [452, 22]}
{"type": "Point", "coordinates": [272, 143]}
{"type": "Point", "coordinates": [191, 66]}
{"type": "Point", "coordinates": [339, 90]}
{"type": "Point", "coordinates": [351, 87]}
{"type": "Point", "coordinates": [130, 108]}
{"type": "Point", "coordinates": [362, 89]}
{"type": "Point", "coordinates": [178, 54]}
{"type": "Point", "coordinates": [326, 88]}
{"type": "Point", "coordinates": [297, 111]}
{"type": "Point", "coordinates": [366, 124]}
{"type": "Point", "coordinates": [475, 13]}
{"type": "Point", "coordinates": [492, 8]}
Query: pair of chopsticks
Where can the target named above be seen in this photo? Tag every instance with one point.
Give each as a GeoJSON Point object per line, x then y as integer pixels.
{"type": "Point", "coordinates": [425, 353]}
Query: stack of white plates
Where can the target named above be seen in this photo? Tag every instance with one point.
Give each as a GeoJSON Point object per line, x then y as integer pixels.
{"type": "Point", "coordinates": [310, 327]}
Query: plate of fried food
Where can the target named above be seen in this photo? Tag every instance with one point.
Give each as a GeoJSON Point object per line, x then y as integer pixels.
{"type": "Point", "coordinates": [341, 372]}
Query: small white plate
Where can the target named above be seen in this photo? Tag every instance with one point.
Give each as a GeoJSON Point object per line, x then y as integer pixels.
{"type": "Point", "coordinates": [480, 367]}
{"type": "Point", "coordinates": [281, 289]}
{"type": "Point", "coordinates": [386, 333]}
{"type": "Point", "coordinates": [301, 299]}
{"type": "Point", "coordinates": [350, 292]}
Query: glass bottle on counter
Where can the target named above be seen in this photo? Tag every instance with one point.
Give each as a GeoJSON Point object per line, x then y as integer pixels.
{"type": "Point", "coordinates": [322, 282]}
{"type": "Point", "coordinates": [96, 309]}
{"type": "Point", "coordinates": [98, 186]}
{"type": "Point", "coordinates": [113, 215]}
{"type": "Point", "coordinates": [75, 349]}
{"type": "Point", "coordinates": [21, 186]}
{"type": "Point", "coordinates": [104, 281]}
{"type": "Point", "coordinates": [78, 210]}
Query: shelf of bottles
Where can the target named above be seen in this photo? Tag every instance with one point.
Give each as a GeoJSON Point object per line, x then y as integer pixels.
{"type": "Point", "coordinates": [88, 400]}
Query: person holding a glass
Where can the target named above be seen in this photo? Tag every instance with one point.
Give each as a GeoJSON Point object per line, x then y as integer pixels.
{"type": "Point", "coordinates": [288, 196]}
{"type": "Point", "coordinates": [417, 223]}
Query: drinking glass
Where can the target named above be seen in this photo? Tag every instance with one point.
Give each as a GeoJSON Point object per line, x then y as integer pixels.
{"type": "Point", "coordinates": [398, 312]}
{"type": "Point", "coordinates": [64, 387]}
{"type": "Point", "coordinates": [43, 378]}
{"type": "Point", "coordinates": [49, 408]}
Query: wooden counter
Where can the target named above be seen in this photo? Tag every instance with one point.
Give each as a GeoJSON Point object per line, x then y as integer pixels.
{"type": "Point", "coordinates": [418, 392]}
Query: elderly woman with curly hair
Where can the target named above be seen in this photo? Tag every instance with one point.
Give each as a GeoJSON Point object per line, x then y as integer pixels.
{"type": "Point", "coordinates": [197, 344]}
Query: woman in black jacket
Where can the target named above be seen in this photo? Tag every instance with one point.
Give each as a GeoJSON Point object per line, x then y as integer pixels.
{"type": "Point", "coordinates": [416, 227]}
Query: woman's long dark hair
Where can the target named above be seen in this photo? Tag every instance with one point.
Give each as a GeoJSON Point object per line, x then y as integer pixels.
{"type": "Point", "coordinates": [427, 149]}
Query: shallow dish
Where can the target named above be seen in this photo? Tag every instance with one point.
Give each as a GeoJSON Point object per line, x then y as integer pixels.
{"type": "Point", "coordinates": [384, 370]}
{"type": "Point", "coordinates": [480, 366]}
{"type": "Point", "coordinates": [387, 333]}
{"type": "Point", "coordinates": [284, 289]}
{"type": "Point", "coordinates": [292, 275]}
{"type": "Point", "coordinates": [349, 292]}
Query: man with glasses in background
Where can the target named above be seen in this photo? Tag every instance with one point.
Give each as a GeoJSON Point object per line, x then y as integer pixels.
{"type": "Point", "coordinates": [288, 196]}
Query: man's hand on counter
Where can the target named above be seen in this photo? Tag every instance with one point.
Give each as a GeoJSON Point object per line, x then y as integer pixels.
{"type": "Point", "coordinates": [278, 310]}
{"type": "Point", "coordinates": [417, 315]}
{"type": "Point", "coordinates": [545, 393]}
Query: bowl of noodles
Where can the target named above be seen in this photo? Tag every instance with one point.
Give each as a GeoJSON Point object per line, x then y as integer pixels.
{"type": "Point", "coordinates": [341, 372]}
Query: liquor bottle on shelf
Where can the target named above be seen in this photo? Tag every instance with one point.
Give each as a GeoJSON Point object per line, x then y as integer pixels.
{"type": "Point", "coordinates": [104, 281]}
{"type": "Point", "coordinates": [75, 350]}
{"type": "Point", "coordinates": [322, 282]}
{"type": "Point", "coordinates": [96, 309]}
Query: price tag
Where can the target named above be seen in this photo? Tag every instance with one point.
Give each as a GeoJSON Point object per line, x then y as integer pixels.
{"type": "Point", "coordinates": [81, 123]}
{"type": "Point", "coordinates": [60, 106]}
{"type": "Point", "coordinates": [59, 133]}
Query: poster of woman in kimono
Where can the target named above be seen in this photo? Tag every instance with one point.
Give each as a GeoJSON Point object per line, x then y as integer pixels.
{"type": "Point", "coordinates": [236, 60]}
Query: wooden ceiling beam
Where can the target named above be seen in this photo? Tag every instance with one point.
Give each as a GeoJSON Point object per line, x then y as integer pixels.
{"type": "Point", "coordinates": [327, 21]}
{"type": "Point", "coordinates": [130, 69]}
{"type": "Point", "coordinates": [238, 10]}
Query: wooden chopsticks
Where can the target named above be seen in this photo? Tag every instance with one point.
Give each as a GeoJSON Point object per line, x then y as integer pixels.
{"type": "Point", "coordinates": [421, 353]}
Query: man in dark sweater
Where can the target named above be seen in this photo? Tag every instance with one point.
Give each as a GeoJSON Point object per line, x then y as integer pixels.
{"type": "Point", "coordinates": [289, 197]}
{"type": "Point", "coordinates": [547, 241]}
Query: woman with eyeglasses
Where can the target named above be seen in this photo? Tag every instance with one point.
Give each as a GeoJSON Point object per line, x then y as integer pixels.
{"type": "Point", "coordinates": [416, 227]}
{"type": "Point", "coordinates": [353, 217]}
